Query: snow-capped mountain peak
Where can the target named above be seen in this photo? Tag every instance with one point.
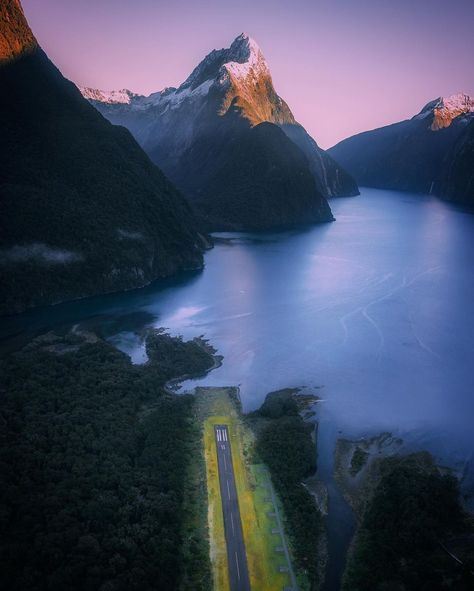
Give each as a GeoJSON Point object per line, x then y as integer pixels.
{"type": "Point", "coordinates": [244, 49]}
{"type": "Point", "coordinates": [240, 65]}
{"type": "Point", "coordinates": [234, 77]}
{"type": "Point", "coordinates": [245, 58]}
{"type": "Point", "coordinates": [242, 58]}
{"type": "Point", "coordinates": [445, 109]}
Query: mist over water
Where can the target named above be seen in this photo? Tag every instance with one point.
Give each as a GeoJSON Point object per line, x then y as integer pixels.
{"type": "Point", "coordinates": [374, 310]}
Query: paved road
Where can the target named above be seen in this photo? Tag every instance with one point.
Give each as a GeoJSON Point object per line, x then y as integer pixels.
{"type": "Point", "coordinates": [236, 558]}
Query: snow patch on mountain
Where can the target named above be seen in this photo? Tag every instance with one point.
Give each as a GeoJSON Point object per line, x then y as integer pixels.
{"type": "Point", "coordinates": [112, 97]}
{"type": "Point", "coordinates": [167, 98]}
{"type": "Point", "coordinates": [445, 109]}
{"type": "Point", "coordinates": [241, 61]}
{"type": "Point", "coordinates": [246, 59]}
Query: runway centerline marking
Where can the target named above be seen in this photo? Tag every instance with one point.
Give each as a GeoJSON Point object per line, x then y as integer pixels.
{"type": "Point", "coordinates": [237, 563]}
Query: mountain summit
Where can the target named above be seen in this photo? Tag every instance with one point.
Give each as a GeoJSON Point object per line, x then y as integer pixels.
{"type": "Point", "coordinates": [444, 110]}
{"type": "Point", "coordinates": [227, 139]}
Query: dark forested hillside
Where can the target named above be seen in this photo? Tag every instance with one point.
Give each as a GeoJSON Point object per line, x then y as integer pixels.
{"type": "Point", "coordinates": [262, 180]}
{"type": "Point", "coordinates": [413, 520]}
{"type": "Point", "coordinates": [405, 156]}
{"type": "Point", "coordinates": [83, 209]}
{"type": "Point", "coordinates": [93, 469]}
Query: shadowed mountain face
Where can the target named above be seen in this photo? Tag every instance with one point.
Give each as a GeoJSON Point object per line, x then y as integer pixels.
{"type": "Point", "coordinates": [84, 211]}
{"type": "Point", "coordinates": [412, 155]}
{"type": "Point", "coordinates": [457, 182]}
{"type": "Point", "coordinates": [198, 134]}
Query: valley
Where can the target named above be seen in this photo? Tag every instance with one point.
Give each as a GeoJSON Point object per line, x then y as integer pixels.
{"type": "Point", "coordinates": [233, 360]}
{"type": "Point", "coordinates": [266, 349]}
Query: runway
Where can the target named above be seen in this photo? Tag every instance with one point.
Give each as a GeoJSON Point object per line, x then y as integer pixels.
{"type": "Point", "coordinates": [237, 560]}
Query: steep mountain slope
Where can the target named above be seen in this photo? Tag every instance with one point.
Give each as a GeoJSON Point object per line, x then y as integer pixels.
{"type": "Point", "coordinates": [217, 109]}
{"type": "Point", "coordinates": [457, 182]}
{"type": "Point", "coordinates": [84, 211]}
{"type": "Point", "coordinates": [409, 155]}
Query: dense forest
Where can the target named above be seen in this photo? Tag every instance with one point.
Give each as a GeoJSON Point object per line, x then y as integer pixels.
{"type": "Point", "coordinates": [93, 474]}
{"type": "Point", "coordinates": [285, 444]}
{"type": "Point", "coordinates": [410, 525]}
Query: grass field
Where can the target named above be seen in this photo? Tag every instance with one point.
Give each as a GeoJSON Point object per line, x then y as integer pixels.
{"type": "Point", "coordinates": [218, 406]}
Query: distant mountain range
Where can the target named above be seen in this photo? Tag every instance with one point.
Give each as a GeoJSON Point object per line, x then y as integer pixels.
{"type": "Point", "coordinates": [84, 210]}
{"type": "Point", "coordinates": [231, 143]}
{"type": "Point", "coordinates": [431, 153]}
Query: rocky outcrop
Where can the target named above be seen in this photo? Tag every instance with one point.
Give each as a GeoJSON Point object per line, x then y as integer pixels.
{"type": "Point", "coordinates": [16, 38]}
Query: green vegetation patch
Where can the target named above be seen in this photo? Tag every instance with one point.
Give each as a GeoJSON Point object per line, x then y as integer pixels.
{"type": "Point", "coordinates": [94, 464]}
{"type": "Point", "coordinates": [285, 444]}
{"type": "Point", "coordinates": [413, 513]}
{"type": "Point", "coordinates": [172, 356]}
{"type": "Point", "coordinates": [358, 460]}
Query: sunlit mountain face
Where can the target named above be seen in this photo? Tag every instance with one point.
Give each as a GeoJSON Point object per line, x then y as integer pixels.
{"type": "Point", "coordinates": [228, 140]}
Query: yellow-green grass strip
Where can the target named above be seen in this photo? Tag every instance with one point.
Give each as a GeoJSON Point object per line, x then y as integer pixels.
{"type": "Point", "coordinates": [217, 542]}
{"type": "Point", "coordinates": [254, 504]}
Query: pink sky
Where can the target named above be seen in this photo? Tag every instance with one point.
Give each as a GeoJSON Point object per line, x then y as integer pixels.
{"type": "Point", "coordinates": [343, 66]}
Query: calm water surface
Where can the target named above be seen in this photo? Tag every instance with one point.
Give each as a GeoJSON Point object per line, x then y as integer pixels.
{"type": "Point", "coordinates": [374, 310]}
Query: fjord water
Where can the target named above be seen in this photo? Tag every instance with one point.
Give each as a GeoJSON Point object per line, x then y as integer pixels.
{"type": "Point", "coordinates": [374, 313]}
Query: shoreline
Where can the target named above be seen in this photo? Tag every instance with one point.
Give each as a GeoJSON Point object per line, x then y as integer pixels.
{"type": "Point", "coordinates": [170, 387]}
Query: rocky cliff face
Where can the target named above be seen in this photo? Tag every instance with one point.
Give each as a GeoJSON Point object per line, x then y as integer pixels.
{"type": "Point", "coordinates": [229, 94]}
{"type": "Point", "coordinates": [410, 155]}
{"type": "Point", "coordinates": [16, 38]}
{"type": "Point", "coordinates": [84, 211]}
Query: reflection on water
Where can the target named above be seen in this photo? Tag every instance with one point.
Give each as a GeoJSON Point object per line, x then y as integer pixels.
{"type": "Point", "coordinates": [376, 308]}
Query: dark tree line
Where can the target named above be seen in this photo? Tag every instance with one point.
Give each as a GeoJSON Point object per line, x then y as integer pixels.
{"type": "Point", "coordinates": [414, 510]}
{"type": "Point", "coordinates": [93, 459]}
{"type": "Point", "coordinates": [284, 443]}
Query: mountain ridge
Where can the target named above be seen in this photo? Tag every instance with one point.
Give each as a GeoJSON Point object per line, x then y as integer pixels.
{"type": "Point", "coordinates": [230, 92]}
{"type": "Point", "coordinates": [410, 155]}
{"type": "Point", "coordinates": [445, 109]}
